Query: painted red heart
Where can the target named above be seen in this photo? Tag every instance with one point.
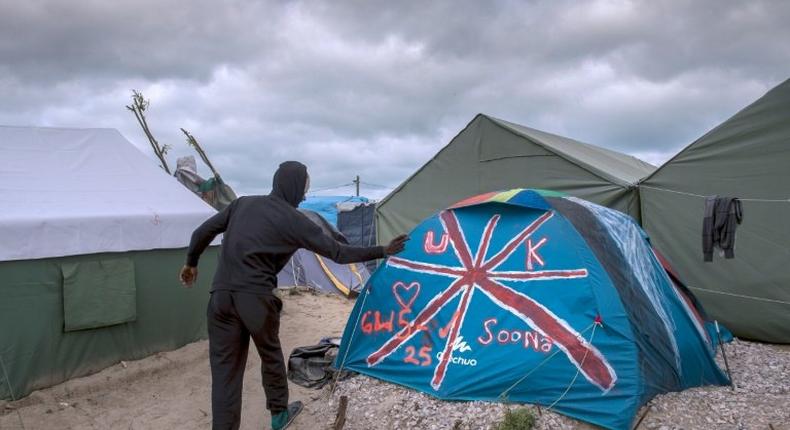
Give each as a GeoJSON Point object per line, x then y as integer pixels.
{"type": "Point", "coordinates": [406, 294]}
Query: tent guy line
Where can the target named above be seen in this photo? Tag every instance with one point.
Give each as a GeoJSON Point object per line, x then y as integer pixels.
{"type": "Point", "coordinates": [700, 195]}
{"type": "Point", "coordinates": [504, 394]}
{"type": "Point", "coordinates": [576, 376]}
{"type": "Point", "coordinates": [783, 302]}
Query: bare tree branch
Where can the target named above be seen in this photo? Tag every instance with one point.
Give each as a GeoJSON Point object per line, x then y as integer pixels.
{"type": "Point", "coordinates": [191, 141]}
{"type": "Point", "coordinates": [138, 106]}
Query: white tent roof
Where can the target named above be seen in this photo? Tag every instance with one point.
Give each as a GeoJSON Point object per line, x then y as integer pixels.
{"type": "Point", "coordinates": [83, 191]}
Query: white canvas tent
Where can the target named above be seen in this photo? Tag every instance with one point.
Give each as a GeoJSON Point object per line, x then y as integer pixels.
{"type": "Point", "coordinates": [92, 235]}
{"type": "Point", "coordinates": [83, 191]}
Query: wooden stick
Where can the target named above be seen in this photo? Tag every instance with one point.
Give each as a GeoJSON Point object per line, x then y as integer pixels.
{"type": "Point", "coordinates": [194, 143]}
{"type": "Point", "coordinates": [138, 106]}
{"type": "Point", "coordinates": [340, 421]}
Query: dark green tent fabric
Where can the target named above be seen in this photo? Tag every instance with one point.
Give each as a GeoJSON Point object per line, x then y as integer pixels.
{"type": "Point", "coordinates": [748, 156]}
{"type": "Point", "coordinates": [491, 154]}
{"type": "Point", "coordinates": [36, 350]}
{"type": "Point", "coordinates": [98, 293]}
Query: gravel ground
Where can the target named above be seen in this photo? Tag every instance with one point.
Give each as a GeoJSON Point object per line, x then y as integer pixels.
{"type": "Point", "coordinates": [761, 400]}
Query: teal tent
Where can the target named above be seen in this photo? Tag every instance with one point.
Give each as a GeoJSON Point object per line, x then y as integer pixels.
{"type": "Point", "coordinates": [529, 296]}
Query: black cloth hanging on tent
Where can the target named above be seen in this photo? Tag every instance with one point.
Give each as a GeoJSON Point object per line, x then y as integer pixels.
{"type": "Point", "coordinates": [721, 219]}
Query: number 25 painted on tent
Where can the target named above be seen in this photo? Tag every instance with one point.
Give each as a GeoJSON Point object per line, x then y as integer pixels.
{"type": "Point", "coordinates": [425, 354]}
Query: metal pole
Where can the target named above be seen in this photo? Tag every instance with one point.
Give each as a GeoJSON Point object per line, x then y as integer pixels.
{"type": "Point", "coordinates": [356, 181]}
{"type": "Point", "coordinates": [724, 354]}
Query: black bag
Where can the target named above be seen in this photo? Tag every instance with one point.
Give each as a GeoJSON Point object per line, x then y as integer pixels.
{"type": "Point", "coordinates": [311, 366]}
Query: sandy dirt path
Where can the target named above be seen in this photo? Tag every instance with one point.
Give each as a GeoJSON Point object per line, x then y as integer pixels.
{"type": "Point", "coordinates": [171, 390]}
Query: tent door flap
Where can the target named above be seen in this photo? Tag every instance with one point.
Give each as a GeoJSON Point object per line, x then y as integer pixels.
{"type": "Point", "coordinates": [98, 293]}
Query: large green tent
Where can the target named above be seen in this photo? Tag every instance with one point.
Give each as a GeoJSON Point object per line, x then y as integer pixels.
{"type": "Point", "coordinates": [92, 235]}
{"type": "Point", "coordinates": [747, 156]}
{"type": "Point", "coordinates": [491, 154]}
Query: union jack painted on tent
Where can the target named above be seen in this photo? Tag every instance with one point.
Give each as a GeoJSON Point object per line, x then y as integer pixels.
{"type": "Point", "coordinates": [479, 272]}
{"type": "Point", "coordinates": [533, 297]}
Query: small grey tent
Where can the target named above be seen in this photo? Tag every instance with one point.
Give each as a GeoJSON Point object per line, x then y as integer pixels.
{"type": "Point", "coordinates": [311, 270]}
{"type": "Point", "coordinates": [491, 154]}
{"type": "Point", "coordinates": [747, 156]}
{"type": "Point", "coordinates": [308, 269]}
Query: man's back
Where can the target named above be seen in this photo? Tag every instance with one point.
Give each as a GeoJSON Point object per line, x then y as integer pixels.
{"type": "Point", "coordinates": [257, 244]}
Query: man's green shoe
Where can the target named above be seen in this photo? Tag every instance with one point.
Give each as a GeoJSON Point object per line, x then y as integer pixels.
{"type": "Point", "coordinates": [285, 418]}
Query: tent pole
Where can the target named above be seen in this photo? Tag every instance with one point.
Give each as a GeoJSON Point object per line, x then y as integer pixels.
{"type": "Point", "coordinates": [8, 381]}
{"type": "Point", "coordinates": [724, 354]}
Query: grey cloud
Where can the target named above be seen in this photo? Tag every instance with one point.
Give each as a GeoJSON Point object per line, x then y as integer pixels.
{"type": "Point", "coordinates": [376, 88]}
{"type": "Point", "coordinates": [55, 40]}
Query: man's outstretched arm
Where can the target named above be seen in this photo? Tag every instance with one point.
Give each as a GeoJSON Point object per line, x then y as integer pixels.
{"type": "Point", "coordinates": [201, 239]}
{"type": "Point", "coordinates": [310, 236]}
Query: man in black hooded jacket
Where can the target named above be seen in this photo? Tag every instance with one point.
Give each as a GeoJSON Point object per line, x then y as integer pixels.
{"type": "Point", "coordinates": [261, 233]}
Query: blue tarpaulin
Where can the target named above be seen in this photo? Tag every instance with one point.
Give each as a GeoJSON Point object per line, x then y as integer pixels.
{"type": "Point", "coordinates": [326, 206]}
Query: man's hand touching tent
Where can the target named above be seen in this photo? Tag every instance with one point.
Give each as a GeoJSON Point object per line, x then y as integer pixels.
{"type": "Point", "coordinates": [396, 245]}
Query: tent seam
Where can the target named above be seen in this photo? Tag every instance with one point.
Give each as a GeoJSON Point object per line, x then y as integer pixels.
{"type": "Point", "coordinates": [615, 181]}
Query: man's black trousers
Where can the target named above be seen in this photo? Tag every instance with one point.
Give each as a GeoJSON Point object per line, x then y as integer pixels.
{"type": "Point", "coordinates": [234, 317]}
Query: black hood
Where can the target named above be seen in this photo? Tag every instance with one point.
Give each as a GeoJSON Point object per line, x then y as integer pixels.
{"type": "Point", "coordinates": [289, 182]}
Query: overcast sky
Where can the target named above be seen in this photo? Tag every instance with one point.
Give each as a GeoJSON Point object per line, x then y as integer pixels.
{"type": "Point", "coordinates": [377, 88]}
